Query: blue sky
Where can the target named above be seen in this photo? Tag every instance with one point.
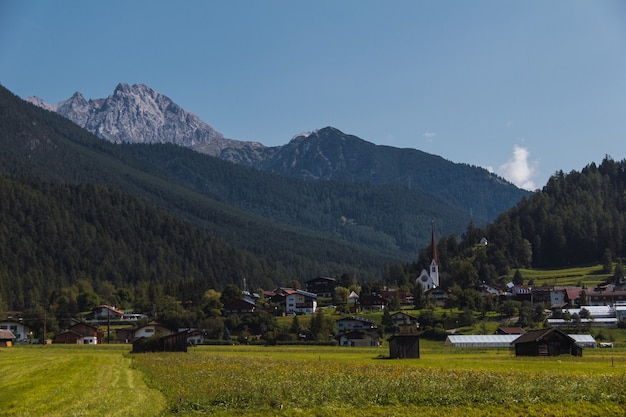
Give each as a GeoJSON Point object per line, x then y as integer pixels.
{"type": "Point", "coordinates": [524, 88]}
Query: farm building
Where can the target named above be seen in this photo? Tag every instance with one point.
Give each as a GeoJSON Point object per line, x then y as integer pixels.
{"type": "Point", "coordinates": [546, 342]}
{"type": "Point", "coordinates": [175, 342]}
{"type": "Point", "coordinates": [19, 329]}
{"type": "Point", "coordinates": [81, 334]}
{"type": "Point", "coordinates": [482, 341]}
{"type": "Point", "coordinates": [584, 340]}
{"type": "Point", "coordinates": [6, 338]}
{"type": "Point", "coordinates": [403, 346]}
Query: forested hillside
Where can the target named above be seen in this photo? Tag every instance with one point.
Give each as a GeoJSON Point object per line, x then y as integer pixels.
{"type": "Point", "coordinates": [572, 221]}
{"type": "Point", "coordinates": [577, 219]}
{"type": "Point", "coordinates": [241, 205]}
{"type": "Point", "coordinates": [54, 236]}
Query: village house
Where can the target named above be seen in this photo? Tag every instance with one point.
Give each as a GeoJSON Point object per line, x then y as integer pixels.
{"type": "Point", "coordinates": [293, 301]}
{"type": "Point", "coordinates": [81, 334]}
{"type": "Point", "coordinates": [323, 287]}
{"type": "Point", "coordinates": [605, 295]}
{"type": "Point", "coordinates": [21, 331]}
{"type": "Point", "coordinates": [358, 338]}
{"type": "Point", "coordinates": [357, 331]}
{"type": "Point", "coordinates": [510, 330]}
{"type": "Point", "coordinates": [401, 318]}
{"type": "Point", "coordinates": [403, 297]}
{"type": "Point", "coordinates": [373, 302]}
{"type": "Point", "coordinates": [300, 302]}
{"type": "Point", "coordinates": [104, 312]}
{"type": "Point", "coordinates": [240, 307]}
{"type": "Point", "coordinates": [354, 323]}
{"type": "Point", "coordinates": [151, 329]}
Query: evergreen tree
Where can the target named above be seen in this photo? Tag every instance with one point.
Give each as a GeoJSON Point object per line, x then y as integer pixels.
{"type": "Point", "coordinates": [607, 261]}
{"type": "Point", "coordinates": [419, 298]}
{"type": "Point", "coordinates": [618, 273]}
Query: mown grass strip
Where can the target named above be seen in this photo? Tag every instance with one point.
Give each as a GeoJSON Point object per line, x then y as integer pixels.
{"type": "Point", "coordinates": [73, 381]}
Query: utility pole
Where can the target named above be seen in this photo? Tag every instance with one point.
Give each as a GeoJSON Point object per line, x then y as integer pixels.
{"type": "Point", "coordinates": [108, 325]}
{"type": "Point", "coordinates": [45, 319]}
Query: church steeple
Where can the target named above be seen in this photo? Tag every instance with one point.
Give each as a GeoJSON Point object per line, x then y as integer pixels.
{"type": "Point", "coordinates": [434, 263]}
{"type": "Point", "coordinates": [433, 243]}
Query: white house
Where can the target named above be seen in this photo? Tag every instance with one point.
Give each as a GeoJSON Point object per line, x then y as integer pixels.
{"type": "Point", "coordinates": [151, 329]}
{"type": "Point", "coordinates": [347, 324]}
{"type": "Point", "coordinates": [19, 329]}
{"type": "Point", "coordinates": [300, 302]}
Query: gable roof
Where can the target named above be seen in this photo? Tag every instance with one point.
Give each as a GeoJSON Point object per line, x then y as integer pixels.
{"type": "Point", "coordinates": [358, 319]}
{"type": "Point", "coordinates": [537, 335]}
{"type": "Point", "coordinates": [328, 279]}
{"type": "Point", "coordinates": [110, 308]}
{"type": "Point", "coordinates": [6, 335]}
{"type": "Point", "coordinates": [403, 314]}
{"type": "Point", "coordinates": [510, 330]}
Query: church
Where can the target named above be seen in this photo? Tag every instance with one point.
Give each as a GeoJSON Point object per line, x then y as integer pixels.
{"type": "Point", "coordinates": [430, 278]}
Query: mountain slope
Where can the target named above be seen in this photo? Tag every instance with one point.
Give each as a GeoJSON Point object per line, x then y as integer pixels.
{"type": "Point", "coordinates": [329, 154]}
{"type": "Point", "coordinates": [39, 144]}
{"type": "Point", "coordinates": [139, 114]}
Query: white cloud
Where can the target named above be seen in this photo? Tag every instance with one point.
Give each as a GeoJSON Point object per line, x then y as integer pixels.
{"type": "Point", "coordinates": [429, 136]}
{"type": "Point", "coordinates": [519, 169]}
{"type": "Point", "coordinates": [508, 124]}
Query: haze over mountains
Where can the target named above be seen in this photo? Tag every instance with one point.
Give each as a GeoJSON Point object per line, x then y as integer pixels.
{"type": "Point", "coordinates": [139, 114]}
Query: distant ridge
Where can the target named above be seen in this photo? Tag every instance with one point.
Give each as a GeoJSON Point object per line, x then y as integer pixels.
{"type": "Point", "coordinates": [139, 114]}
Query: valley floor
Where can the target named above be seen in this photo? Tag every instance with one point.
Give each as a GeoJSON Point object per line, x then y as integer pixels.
{"type": "Point", "coordinates": [307, 381]}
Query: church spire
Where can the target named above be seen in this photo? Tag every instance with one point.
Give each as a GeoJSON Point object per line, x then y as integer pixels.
{"type": "Point", "coordinates": [433, 244]}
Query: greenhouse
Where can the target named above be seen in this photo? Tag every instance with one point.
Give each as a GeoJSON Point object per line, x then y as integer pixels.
{"type": "Point", "coordinates": [495, 341]}
{"type": "Point", "coordinates": [503, 341]}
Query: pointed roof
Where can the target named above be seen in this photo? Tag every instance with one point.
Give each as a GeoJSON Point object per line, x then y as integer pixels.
{"type": "Point", "coordinates": [433, 244]}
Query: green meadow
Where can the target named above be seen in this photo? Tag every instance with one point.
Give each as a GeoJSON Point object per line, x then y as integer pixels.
{"type": "Point", "coordinates": [589, 276]}
{"type": "Point", "coordinates": [307, 381]}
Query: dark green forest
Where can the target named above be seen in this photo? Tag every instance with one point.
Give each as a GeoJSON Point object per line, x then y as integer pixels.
{"type": "Point", "coordinates": [576, 219]}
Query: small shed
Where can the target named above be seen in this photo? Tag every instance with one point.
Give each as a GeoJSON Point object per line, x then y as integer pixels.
{"type": "Point", "coordinates": [404, 346]}
{"type": "Point", "coordinates": [546, 342]}
{"type": "Point", "coordinates": [6, 338]}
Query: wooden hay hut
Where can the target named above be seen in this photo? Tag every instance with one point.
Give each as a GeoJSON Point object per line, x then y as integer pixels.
{"type": "Point", "coordinates": [546, 342]}
{"type": "Point", "coordinates": [404, 346]}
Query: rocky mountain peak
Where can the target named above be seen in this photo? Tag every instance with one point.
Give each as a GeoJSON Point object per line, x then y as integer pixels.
{"type": "Point", "coordinates": [139, 114]}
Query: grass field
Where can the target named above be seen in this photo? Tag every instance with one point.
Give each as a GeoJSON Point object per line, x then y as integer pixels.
{"type": "Point", "coordinates": [307, 381]}
{"type": "Point", "coordinates": [589, 276]}
{"type": "Point", "coordinates": [61, 380]}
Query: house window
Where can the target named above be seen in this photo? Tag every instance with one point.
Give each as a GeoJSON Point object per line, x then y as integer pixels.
{"type": "Point", "coordinates": [149, 330]}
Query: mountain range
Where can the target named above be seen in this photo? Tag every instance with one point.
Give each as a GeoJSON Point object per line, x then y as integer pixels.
{"type": "Point", "coordinates": [139, 114]}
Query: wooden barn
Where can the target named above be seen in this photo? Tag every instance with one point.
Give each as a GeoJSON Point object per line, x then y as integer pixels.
{"type": "Point", "coordinates": [546, 342]}
{"type": "Point", "coordinates": [176, 342]}
{"type": "Point", "coordinates": [404, 346]}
